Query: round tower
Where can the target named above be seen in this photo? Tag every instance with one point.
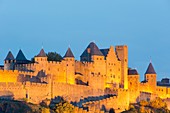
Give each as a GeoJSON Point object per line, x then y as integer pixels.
{"type": "Point", "coordinates": [41, 59]}
{"type": "Point", "coordinates": [69, 66]}
{"type": "Point", "coordinates": [150, 77]}
{"type": "Point", "coordinates": [9, 61]}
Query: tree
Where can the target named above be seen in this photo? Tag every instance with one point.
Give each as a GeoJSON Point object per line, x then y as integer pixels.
{"type": "Point", "coordinates": [143, 103]}
{"type": "Point", "coordinates": [45, 110]}
{"type": "Point", "coordinates": [158, 103]}
{"type": "Point", "coordinates": [64, 107]}
{"type": "Point", "coordinates": [53, 56]}
{"type": "Point", "coordinates": [142, 109]}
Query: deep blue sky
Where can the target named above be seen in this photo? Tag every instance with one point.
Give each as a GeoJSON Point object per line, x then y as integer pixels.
{"type": "Point", "coordinates": [142, 25]}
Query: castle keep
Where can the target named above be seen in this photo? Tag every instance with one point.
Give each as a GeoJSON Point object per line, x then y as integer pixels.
{"type": "Point", "coordinates": [99, 73]}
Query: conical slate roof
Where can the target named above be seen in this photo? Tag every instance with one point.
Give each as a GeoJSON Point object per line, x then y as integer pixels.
{"type": "Point", "coordinates": [69, 53]}
{"type": "Point", "coordinates": [132, 72]}
{"type": "Point", "coordinates": [92, 49]}
{"type": "Point", "coordinates": [150, 69]}
{"type": "Point", "coordinates": [20, 56]}
{"type": "Point", "coordinates": [10, 56]}
{"type": "Point", "coordinates": [104, 51]}
{"type": "Point", "coordinates": [42, 53]}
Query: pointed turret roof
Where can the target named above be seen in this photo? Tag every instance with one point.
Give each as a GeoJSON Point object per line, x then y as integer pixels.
{"type": "Point", "coordinates": [21, 56]}
{"type": "Point", "coordinates": [42, 53]}
{"type": "Point", "coordinates": [69, 53]}
{"type": "Point", "coordinates": [92, 49]}
{"type": "Point", "coordinates": [150, 69]}
{"type": "Point", "coordinates": [104, 51]}
{"type": "Point", "coordinates": [10, 56]}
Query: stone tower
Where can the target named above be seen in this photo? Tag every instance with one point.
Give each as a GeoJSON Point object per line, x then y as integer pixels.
{"type": "Point", "coordinates": [9, 61]}
{"type": "Point", "coordinates": [41, 59]}
{"type": "Point", "coordinates": [69, 66]}
{"type": "Point", "coordinates": [150, 77]}
{"type": "Point", "coordinates": [93, 54]}
{"type": "Point", "coordinates": [122, 54]}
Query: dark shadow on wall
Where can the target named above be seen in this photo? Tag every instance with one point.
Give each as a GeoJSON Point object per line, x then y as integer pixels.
{"type": "Point", "coordinates": [80, 82]}
{"type": "Point", "coordinates": [103, 108]}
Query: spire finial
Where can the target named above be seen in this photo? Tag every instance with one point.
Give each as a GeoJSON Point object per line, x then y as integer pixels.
{"type": "Point", "coordinates": [69, 45]}
{"type": "Point", "coordinates": [42, 46]}
{"type": "Point", "coordinates": [150, 59]}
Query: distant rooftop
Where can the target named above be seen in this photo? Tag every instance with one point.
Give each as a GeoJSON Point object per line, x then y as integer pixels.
{"type": "Point", "coordinates": [69, 53]}
{"type": "Point", "coordinates": [42, 53]}
{"type": "Point", "coordinates": [150, 69]}
{"type": "Point", "coordinates": [10, 56]}
{"type": "Point", "coordinates": [132, 72]}
{"type": "Point", "coordinates": [92, 49]}
{"type": "Point", "coordinates": [20, 56]}
{"type": "Point", "coordinates": [104, 51]}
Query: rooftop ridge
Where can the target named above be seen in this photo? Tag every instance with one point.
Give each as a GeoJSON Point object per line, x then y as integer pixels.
{"type": "Point", "coordinates": [150, 69]}
{"type": "Point", "coordinates": [20, 56]}
{"type": "Point", "coordinates": [9, 56]}
{"type": "Point", "coordinates": [92, 49]}
{"type": "Point", "coordinates": [69, 53]}
{"type": "Point", "coordinates": [42, 53]}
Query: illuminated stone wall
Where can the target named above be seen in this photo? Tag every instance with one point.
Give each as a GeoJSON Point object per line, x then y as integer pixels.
{"type": "Point", "coordinates": [109, 71]}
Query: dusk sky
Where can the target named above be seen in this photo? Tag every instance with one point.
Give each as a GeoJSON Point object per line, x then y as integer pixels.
{"type": "Point", "coordinates": [143, 25]}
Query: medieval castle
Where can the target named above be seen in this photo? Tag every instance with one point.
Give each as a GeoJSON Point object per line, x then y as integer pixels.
{"type": "Point", "coordinates": [101, 75]}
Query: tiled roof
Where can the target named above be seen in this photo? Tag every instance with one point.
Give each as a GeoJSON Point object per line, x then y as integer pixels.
{"type": "Point", "coordinates": [150, 69]}
{"type": "Point", "coordinates": [10, 56]}
{"type": "Point", "coordinates": [20, 56]}
{"type": "Point", "coordinates": [104, 51]}
{"type": "Point", "coordinates": [92, 49]}
{"type": "Point", "coordinates": [42, 53]}
{"type": "Point", "coordinates": [132, 72]}
{"type": "Point", "coordinates": [69, 53]}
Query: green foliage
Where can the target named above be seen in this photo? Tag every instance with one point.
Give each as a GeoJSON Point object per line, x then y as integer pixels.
{"type": "Point", "coordinates": [53, 56]}
{"type": "Point", "coordinates": [158, 103]}
{"type": "Point", "coordinates": [11, 106]}
{"type": "Point", "coordinates": [45, 110]}
{"type": "Point", "coordinates": [143, 103]}
{"type": "Point", "coordinates": [155, 106]}
{"type": "Point", "coordinates": [142, 109]}
{"type": "Point", "coordinates": [131, 111]}
{"type": "Point", "coordinates": [64, 107]}
{"type": "Point", "coordinates": [131, 107]}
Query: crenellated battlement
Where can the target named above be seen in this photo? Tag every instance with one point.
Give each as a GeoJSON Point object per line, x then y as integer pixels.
{"type": "Point", "coordinates": [26, 65]}
{"type": "Point", "coordinates": [54, 63]}
{"type": "Point", "coordinates": [87, 63]}
{"type": "Point", "coordinates": [8, 71]}
{"type": "Point", "coordinates": [26, 72]}
{"type": "Point", "coordinates": [11, 86]}
{"type": "Point", "coordinates": [123, 90]}
{"type": "Point", "coordinates": [105, 73]}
